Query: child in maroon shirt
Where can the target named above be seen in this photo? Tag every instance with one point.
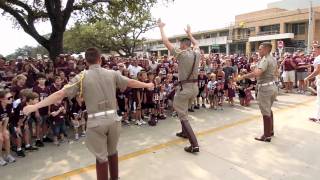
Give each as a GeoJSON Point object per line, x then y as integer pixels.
{"type": "Point", "coordinates": [78, 110]}
{"type": "Point", "coordinates": [42, 126]}
{"type": "Point", "coordinates": [20, 124]}
{"type": "Point", "coordinates": [58, 113]}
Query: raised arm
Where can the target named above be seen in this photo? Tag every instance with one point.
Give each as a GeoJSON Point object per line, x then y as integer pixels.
{"type": "Point", "coordinates": [165, 39]}
{"type": "Point", "coordinates": [193, 40]}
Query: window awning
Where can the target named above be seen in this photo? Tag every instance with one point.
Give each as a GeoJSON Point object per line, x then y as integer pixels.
{"type": "Point", "coordinates": [271, 37]}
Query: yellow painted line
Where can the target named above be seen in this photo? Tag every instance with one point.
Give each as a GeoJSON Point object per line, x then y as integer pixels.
{"type": "Point", "coordinates": [92, 167]}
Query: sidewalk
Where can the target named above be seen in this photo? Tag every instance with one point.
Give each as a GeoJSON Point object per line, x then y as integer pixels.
{"type": "Point", "coordinates": [228, 150]}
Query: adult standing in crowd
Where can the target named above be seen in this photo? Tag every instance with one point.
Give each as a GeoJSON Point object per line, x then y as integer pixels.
{"type": "Point", "coordinates": [98, 87]}
{"type": "Point", "coordinates": [266, 74]}
{"type": "Point", "coordinates": [289, 66]}
{"type": "Point", "coordinates": [187, 88]}
{"type": "Point", "coordinates": [316, 73]}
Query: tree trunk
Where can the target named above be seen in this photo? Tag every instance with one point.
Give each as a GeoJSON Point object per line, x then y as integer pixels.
{"type": "Point", "coordinates": [55, 45]}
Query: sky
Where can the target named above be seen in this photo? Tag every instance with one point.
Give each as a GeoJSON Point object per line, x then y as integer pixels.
{"type": "Point", "coordinates": [200, 14]}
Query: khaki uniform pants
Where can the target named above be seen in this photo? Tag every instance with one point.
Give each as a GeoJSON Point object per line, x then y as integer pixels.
{"type": "Point", "coordinates": [266, 97]}
{"type": "Point", "coordinates": [103, 136]}
{"type": "Point", "coordinates": [183, 98]}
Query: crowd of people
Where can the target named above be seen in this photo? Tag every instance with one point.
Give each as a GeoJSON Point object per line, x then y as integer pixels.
{"type": "Point", "coordinates": [26, 81]}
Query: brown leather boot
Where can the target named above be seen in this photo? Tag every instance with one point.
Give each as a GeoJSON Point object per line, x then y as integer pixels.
{"type": "Point", "coordinates": [102, 170]}
{"type": "Point", "coordinates": [182, 134]}
{"type": "Point", "coordinates": [191, 136]}
{"type": "Point", "coordinates": [266, 137]}
{"type": "Point", "coordinates": [113, 167]}
{"type": "Point", "coordinates": [272, 131]}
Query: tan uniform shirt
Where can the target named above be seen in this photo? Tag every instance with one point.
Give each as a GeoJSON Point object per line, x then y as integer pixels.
{"type": "Point", "coordinates": [268, 66]}
{"type": "Point", "coordinates": [98, 87]}
{"type": "Point", "coordinates": [185, 60]}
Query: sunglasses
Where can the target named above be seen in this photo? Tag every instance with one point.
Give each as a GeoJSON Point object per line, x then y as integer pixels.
{"type": "Point", "coordinates": [9, 98]}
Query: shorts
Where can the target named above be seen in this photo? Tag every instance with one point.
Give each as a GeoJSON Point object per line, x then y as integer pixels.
{"type": "Point", "coordinates": [301, 75]}
{"type": "Point", "coordinates": [44, 119]}
{"type": "Point", "coordinates": [201, 93]}
{"type": "Point", "coordinates": [288, 76]}
{"type": "Point", "coordinates": [58, 128]}
{"type": "Point", "coordinates": [13, 132]}
{"type": "Point", "coordinates": [148, 105]}
{"type": "Point", "coordinates": [122, 106]}
{"type": "Point", "coordinates": [212, 97]}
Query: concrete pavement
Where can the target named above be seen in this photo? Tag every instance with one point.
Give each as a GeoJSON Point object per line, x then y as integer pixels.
{"type": "Point", "coordinates": [228, 150]}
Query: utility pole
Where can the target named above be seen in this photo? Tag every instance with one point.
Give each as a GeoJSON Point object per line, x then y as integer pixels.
{"type": "Point", "coordinates": [310, 28]}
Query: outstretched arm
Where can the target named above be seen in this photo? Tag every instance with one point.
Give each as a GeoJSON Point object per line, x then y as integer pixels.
{"type": "Point", "coordinates": [57, 96]}
{"type": "Point", "coordinates": [190, 36]}
{"type": "Point", "coordinates": [165, 39]}
{"type": "Point", "coordinates": [137, 84]}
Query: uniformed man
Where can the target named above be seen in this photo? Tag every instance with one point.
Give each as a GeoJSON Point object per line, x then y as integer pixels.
{"type": "Point", "coordinates": [265, 73]}
{"type": "Point", "coordinates": [316, 73]}
{"type": "Point", "coordinates": [98, 88]}
{"type": "Point", "coordinates": [187, 89]}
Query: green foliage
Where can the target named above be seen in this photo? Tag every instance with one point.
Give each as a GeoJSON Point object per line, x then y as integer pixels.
{"type": "Point", "coordinates": [125, 20]}
{"type": "Point", "coordinates": [28, 51]}
{"type": "Point", "coordinates": [118, 30]}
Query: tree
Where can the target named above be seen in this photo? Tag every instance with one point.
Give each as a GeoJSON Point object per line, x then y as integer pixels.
{"type": "Point", "coordinates": [26, 13]}
{"type": "Point", "coordinates": [119, 32]}
{"type": "Point", "coordinates": [28, 51]}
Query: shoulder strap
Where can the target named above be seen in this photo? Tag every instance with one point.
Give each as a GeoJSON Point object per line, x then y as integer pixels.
{"type": "Point", "coordinates": [194, 62]}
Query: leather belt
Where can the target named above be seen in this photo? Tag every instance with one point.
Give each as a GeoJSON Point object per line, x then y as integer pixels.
{"type": "Point", "coordinates": [267, 84]}
{"type": "Point", "coordinates": [104, 113]}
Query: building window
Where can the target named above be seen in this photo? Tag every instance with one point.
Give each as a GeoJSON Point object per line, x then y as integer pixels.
{"type": "Point", "coordinates": [214, 35]}
{"type": "Point", "coordinates": [299, 28]}
{"type": "Point", "coordinates": [205, 49]}
{"type": "Point", "coordinates": [224, 33]}
{"type": "Point", "coordinates": [206, 36]}
{"type": "Point", "coordinates": [271, 29]}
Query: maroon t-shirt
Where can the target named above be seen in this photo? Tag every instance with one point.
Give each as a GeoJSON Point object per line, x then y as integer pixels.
{"type": "Point", "coordinates": [162, 69]}
{"type": "Point", "coordinates": [301, 62]}
{"type": "Point", "coordinates": [202, 81]}
{"type": "Point", "coordinates": [54, 89]}
{"type": "Point", "coordinates": [43, 93]}
{"type": "Point", "coordinates": [60, 117]}
{"type": "Point", "coordinates": [287, 65]}
{"type": "Point", "coordinates": [149, 95]}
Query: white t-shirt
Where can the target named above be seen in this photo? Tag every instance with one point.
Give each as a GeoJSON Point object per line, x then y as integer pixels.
{"type": "Point", "coordinates": [316, 63]}
{"type": "Point", "coordinates": [153, 66]}
{"type": "Point", "coordinates": [134, 70]}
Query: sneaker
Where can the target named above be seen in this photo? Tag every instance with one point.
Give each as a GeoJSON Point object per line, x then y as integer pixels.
{"type": "Point", "coordinates": [21, 153]}
{"type": "Point", "coordinates": [47, 139]}
{"type": "Point", "coordinates": [3, 162]}
{"type": "Point", "coordinates": [39, 143]}
{"type": "Point", "coordinates": [197, 106]}
{"type": "Point", "coordinates": [56, 143]}
{"type": "Point", "coordinates": [31, 148]}
{"type": "Point", "coordinates": [83, 134]}
{"type": "Point", "coordinates": [203, 105]}
{"type": "Point", "coordinates": [10, 159]}
{"type": "Point", "coordinates": [76, 137]}
{"type": "Point", "coordinates": [143, 122]}
{"type": "Point", "coordinates": [138, 123]}
{"type": "Point", "coordinates": [190, 110]}
{"type": "Point", "coordinates": [174, 114]}
{"type": "Point", "coordinates": [126, 122]}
